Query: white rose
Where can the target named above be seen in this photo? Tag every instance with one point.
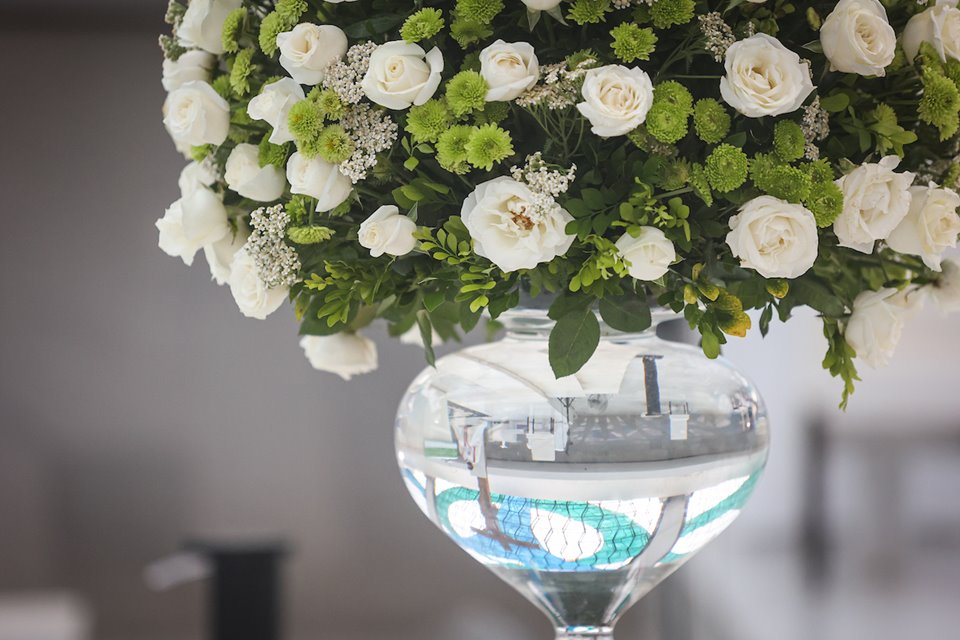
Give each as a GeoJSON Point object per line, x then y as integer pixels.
{"type": "Point", "coordinates": [251, 294]}
{"type": "Point", "coordinates": [650, 254]}
{"type": "Point", "coordinates": [541, 5]}
{"type": "Point", "coordinates": [273, 106]}
{"type": "Point", "coordinates": [345, 354]}
{"type": "Point", "coordinates": [318, 179]}
{"type": "Point", "coordinates": [202, 24]}
{"type": "Point", "coordinates": [509, 69]}
{"type": "Point", "coordinates": [764, 78]}
{"type": "Point", "coordinates": [509, 230]}
{"type": "Point", "coordinates": [190, 67]}
{"type": "Point", "coordinates": [386, 231]}
{"type": "Point", "coordinates": [401, 74]}
{"type": "Point", "coordinates": [775, 238]}
{"type": "Point", "coordinates": [946, 291]}
{"type": "Point", "coordinates": [244, 175]}
{"type": "Point", "coordinates": [192, 222]}
{"type": "Point", "coordinates": [875, 200]}
{"type": "Point", "coordinates": [616, 99]}
{"type": "Point", "coordinates": [940, 26]}
{"type": "Point", "coordinates": [876, 324]}
{"type": "Point", "coordinates": [220, 254]}
{"type": "Point", "coordinates": [196, 176]}
{"type": "Point", "coordinates": [857, 38]}
{"type": "Point", "coordinates": [931, 225]}
{"type": "Point", "coordinates": [195, 115]}
{"type": "Point", "coordinates": [308, 50]}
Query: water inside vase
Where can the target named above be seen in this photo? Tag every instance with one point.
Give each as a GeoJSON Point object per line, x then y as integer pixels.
{"type": "Point", "coordinates": [582, 494]}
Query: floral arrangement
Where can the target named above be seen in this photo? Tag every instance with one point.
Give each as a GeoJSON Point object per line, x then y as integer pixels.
{"type": "Point", "coordinates": [425, 163]}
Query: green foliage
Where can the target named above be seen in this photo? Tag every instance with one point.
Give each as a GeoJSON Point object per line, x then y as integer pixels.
{"type": "Point", "coordinates": [421, 25]}
{"type": "Point", "coordinates": [466, 92]}
{"type": "Point", "coordinates": [788, 140]}
{"type": "Point", "coordinates": [710, 120]}
{"type": "Point", "coordinates": [632, 42]}
{"type": "Point", "coordinates": [573, 340]}
{"type": "Point", "coordinates": [726, 168]}
{"type": "Point", "coordinates": [666, 13]}
{"type": "Point", "coordinates": [588, 11]}
{"type": "Point", "coordinates": [839, 359]}
{"type": "Point", "coordinates": [273, 154]}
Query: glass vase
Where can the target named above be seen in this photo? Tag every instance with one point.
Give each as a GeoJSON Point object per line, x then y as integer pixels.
{"type": "Point", "coordinates": [583, 492]}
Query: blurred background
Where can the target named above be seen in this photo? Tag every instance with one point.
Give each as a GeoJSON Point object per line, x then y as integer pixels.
{"type": "Point", "coordinates": [139, 409]}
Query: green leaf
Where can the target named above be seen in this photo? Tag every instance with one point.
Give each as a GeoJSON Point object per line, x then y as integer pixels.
{"type": "Point", "coordinates": [629, 313]}
{"type": "Point", "coordinates": [565, 304]}
{"type": "Point", "coordinates": [710, 344]}
{"type": "Point", "coordinates": [806, 291]}
{"type": "Point", "coordinates": [373, 26]}
{"type": "Point", "coordinates": [573, 340]}
{"type": "Point", "coordinates": [426, 334]}
{"type": "Point", "coordinates": [835, 103]}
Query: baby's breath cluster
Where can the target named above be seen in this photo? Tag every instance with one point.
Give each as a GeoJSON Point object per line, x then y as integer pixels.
{"type": "Point", "coordinates": [421, 165]}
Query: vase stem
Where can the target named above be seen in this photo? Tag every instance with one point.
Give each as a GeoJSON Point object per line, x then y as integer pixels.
{"type": "Point", "coordinates": [585, 633]}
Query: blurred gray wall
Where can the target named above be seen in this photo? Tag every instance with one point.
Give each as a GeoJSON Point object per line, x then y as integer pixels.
{"type": "Point", "coordinates": [137, 407]}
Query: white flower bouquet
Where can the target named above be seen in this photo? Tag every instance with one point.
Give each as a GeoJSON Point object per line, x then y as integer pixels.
{"type": "Point", "coordinates": [424, 163]}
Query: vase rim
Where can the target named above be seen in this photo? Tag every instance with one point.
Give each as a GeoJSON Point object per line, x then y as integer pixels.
{"type": "Point", "coordinates": [524, 320]}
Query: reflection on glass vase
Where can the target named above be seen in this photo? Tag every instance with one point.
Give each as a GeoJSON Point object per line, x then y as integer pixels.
{"type": "Point", "coordinates": [582, 493]}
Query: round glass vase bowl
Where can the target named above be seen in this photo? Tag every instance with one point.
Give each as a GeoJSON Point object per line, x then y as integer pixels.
{"type": "Point", "coordinates": [584, 492]}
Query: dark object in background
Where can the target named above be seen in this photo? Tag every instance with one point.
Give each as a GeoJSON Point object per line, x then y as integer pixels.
{"type": "Point", "coordinates": [245, 589]}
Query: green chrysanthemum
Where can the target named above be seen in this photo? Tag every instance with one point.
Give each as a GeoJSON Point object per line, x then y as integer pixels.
{"type": "Point", "coordinates": [482, 11]}
{"type": "Point", "coordinates": [488, 145]}
{"type": "Point", "coordinates": [273, 24]}
{"type": "Point", "coordinates": [221, 84]}
{"type": "Point", "coordinates": [710, 120]}
{"type": "Point", "coordinates": [493, 112]}
{"type": "Point", "coordinates": [275, 154]}
{"type": "Point", "coordinates": [232, 28]}
{"type": "Point", "coordinates": [328, 102]}
{"type": "Point", "coordinates": [423, 24]}
{"type": "Point", "coordinates": [588, 11]}
{"type": "Point", "coordinates": [940, 104]}
{"type": "Point", "coordinates": [466, 92]}
{"type": "Point", "coordinates": [306, 123]}
{"type": "Point", "coordinates": [334, 144]}
{"type": "Point", "coordinates": [726, 168]}
{"type": "Point", "coordinates": [666, 123]}
{"type": "Point", "coordinates": [825, 201]}
{"type": "Point", "coordinates": [666, 13]}
{"type": "Point", "coordinates": [789, 142]}
{"type": "Point", "coordinates": [633, 42]}
{"type": "Point", "coordinates": [452, 149]}
{"type": "Point", "coordinates": [761, 169]}
{"type": "Point", "coordinates": [467, 32]}
{"type": "Point", "coordinates": [819, 171]}
{"type": "Point", "coordinates": [309, 235]}
{"type": "Point", "coordinates": [427, 121]}
{"type": "Point", "coordinates": [787, 183]}
{"type": "Point", "coordinates": [674, 94]}
{"type": "Point", "coordinates": [291, 10]}
{"type": "Point", "coordinates": [240, 72]}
